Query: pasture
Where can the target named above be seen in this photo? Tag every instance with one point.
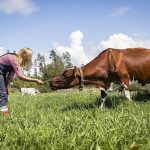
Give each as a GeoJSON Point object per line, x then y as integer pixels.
{"type": "Point", "coordinates": [71, 121]}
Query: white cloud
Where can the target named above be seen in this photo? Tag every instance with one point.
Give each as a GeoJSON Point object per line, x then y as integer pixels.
{"type": "Point", "coordinates": [78, 55]}
{"type": "Point", "coordinates": [24, 7]}
{"type": "Point", "coordinates": [122, 41]}
{"type": "Point", "coordinates": [2, 51]}
{"type": "Point", "coordinates": [76, 50]}
{"type": "Point", "coordinates": [120, 11]}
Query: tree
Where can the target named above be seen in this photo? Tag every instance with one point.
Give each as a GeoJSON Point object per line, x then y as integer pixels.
{"type": "Point", "coordinates": [41, 64]}
{"type": "Point", "coordinates": [57, 62]}
{"type": "Point", "coordinates": [35, 69]}
{"type": "Point", "coordinates": [67, 59]}
{"type": "Point", "coordinates": [53, 56]}
{"type": "Point", "coordinates": [57, 65]}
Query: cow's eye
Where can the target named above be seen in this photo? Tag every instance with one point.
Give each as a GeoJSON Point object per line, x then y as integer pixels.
{"type": "Point", "coordinates": [66, 75]}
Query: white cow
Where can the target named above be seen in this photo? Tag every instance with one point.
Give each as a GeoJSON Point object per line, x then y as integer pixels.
{"type": "Point", "coordinates": [29, 91]}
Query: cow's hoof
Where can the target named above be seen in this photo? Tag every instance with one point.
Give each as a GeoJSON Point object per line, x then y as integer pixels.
{"type": "Point", "coordinates": [102, 108]}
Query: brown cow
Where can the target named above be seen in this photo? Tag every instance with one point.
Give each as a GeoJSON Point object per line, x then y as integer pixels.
{"type": "Point", "coordinates": [119, 66]}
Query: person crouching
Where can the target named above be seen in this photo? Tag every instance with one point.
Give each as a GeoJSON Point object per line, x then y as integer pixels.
{"type": "Point", "coordinates": [11, 64]}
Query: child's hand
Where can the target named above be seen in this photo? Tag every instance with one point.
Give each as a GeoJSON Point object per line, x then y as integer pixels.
{"type": "Point", "coordinates": [39, 81]}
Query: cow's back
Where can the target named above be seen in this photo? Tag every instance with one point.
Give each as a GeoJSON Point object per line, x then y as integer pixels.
{"type": "Point", "coordinates": [135, 62]}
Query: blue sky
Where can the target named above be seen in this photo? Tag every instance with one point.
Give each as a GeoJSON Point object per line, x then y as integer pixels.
{"type": "Point", "coordinates": [82, 27]}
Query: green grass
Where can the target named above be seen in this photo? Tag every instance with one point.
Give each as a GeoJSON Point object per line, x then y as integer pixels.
{"type": "Point", "coordinates": [72, 121]}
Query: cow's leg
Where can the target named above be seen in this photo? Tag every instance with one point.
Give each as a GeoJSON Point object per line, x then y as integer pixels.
{"type": "Point", "coordinates": [103, 97]}
{"type": "Point", "coordinates": [125, 85]}
{"type": "Point", "coordinates": [127, 94]}
{"type": "Point", "coordinates": [124, 80]}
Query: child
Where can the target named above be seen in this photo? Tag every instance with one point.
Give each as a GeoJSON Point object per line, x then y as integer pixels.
{"type": "Point", "coordinates": [10, 64]}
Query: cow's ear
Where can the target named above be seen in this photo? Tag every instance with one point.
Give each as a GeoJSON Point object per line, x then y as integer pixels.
{"type": "Point", "coordinates": [76, 72]}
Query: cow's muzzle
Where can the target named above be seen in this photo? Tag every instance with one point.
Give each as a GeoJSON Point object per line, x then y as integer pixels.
{"type": "Point", "coordinates": [51, 85]}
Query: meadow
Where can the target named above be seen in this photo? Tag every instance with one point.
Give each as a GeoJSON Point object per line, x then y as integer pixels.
{"type": "Point", "coordinates": [72, 121]}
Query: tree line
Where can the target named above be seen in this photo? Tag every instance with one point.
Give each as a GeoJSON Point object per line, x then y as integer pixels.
{"type": "Point", "coordinates": [45, 71]}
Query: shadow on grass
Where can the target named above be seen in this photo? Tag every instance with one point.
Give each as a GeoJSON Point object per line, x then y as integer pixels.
{"type": "Point", "coordinates": [78, 106]}
{"type": "Point", "coordinates": [141, 96]}
{"type": "Point", "coordinates": [112, 101]}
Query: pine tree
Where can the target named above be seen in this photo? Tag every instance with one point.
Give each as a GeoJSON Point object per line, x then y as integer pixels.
{"type": "Point", "coordinates": [41, 64]}
{"type": "Point", "coordinates": [67, 59]}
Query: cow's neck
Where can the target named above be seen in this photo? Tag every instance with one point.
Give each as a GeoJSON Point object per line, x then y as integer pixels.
{"type": "Point", "coordinates": [90, 71]}
{"type": "Point", "coordinates": [97, 68]}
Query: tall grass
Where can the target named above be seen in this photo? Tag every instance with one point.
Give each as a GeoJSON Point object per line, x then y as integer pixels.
{"type": "Point", "coordinates": [72, 121]}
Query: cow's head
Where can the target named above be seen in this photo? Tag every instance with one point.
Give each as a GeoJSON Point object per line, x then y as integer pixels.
{"type": "Point", "coordinates": [69, 78]}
